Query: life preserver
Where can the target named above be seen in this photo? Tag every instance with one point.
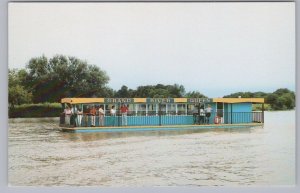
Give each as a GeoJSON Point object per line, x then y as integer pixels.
{"type": "Point", "coordinates": [217, 120]}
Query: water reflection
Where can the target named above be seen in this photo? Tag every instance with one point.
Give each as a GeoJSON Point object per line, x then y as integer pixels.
{"type": "Point", "coordinates": [108, 135]}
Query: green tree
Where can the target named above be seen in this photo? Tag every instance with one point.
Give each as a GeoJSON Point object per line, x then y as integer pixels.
{"type": "Point", "coordinates": [289, 100]}
{"type": "Point", "coordinates": [160, 91]}
{"type": "Point", "coordinates": [260, 94]}
{"type": "Point", "coordinates": [144, 91]}
{"type": "Point", "coordinates": [243, 95]}
{"type": "Point", "coordinates": [107, 92]}
{"type": "Point", "coordinates": [176, 90]}
{"type": "Point", "coordinates": [17, 94]}
{"type": "Point", "coordinates": [282, 91]}
{"type": "Point", "coordinates": [195, 94]}
{"type": "Point", "coordinates": [123, 92]}
{"type": "Point", "coordinates": [281, 99]}
{"type": "Point", "coordinates": [271, 98]}
{"type": "Point", "coordinates": [64, 76]}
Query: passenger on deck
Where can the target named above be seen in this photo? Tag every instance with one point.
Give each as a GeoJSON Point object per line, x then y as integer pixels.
{"type": "Point", "coordinates": [73, 119]}
{"type": "Point", "coordinates": [86, 114]}
{"type": "Point", "coordinates": [101, 116]}
{"type": "Point", "coordinates": [113, 115]}
{"type": "Point", "coordinates": [195, 114]}
{"type": "Point", "coordinates": [68, 114]}
{"type": "Point", "coordinates": [79, 117]}
{"type": "Point", "coordinates": [201, 115]}
{"type": "Point", "coordinates": [124, 111]}
{"type": "Point", "coordinates": [93, 116]}
{"type": "Point", "coordinates": [113, 111]}
{"type": "Point", "coordinates": [208, 113]}
{"type": "Point", "coordinates": [74, 109]}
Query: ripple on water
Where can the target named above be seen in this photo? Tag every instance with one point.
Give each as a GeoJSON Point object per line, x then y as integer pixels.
{"type": "Point", "coordinates": [41, 155]}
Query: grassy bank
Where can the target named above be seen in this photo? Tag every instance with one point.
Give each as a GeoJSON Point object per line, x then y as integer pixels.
{"type": "Point", "coordinates": [35, 110]}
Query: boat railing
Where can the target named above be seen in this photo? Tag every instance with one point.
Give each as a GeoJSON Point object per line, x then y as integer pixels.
{"type": "Point", "coordinates": [162, 118]}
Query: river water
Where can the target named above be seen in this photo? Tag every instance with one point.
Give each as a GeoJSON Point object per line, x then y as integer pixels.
{"type": "Point", "coordinates": [41, 155]}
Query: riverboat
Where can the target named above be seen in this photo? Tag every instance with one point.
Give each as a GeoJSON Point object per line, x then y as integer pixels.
{"type": "Point", "coordinates": [147, 114]}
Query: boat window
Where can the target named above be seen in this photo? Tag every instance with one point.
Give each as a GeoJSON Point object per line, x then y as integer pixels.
{"type": "Point", "coordinates": [220, 109]}
{"type": "Point", "coordinates": [181, 109]}
{"type": "Point", "coordinates": [171, 109]}
{"type": "Point", "coordinates": [151, 109]}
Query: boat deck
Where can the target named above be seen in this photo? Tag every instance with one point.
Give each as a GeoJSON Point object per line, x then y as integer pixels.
{"type": "Point", "coordinates": [158, 128]}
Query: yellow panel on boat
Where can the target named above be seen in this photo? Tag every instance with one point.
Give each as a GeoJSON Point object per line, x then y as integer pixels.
{"type": "Point", "coordinates": [180, 100]}
{"type": "Point", "coordinates": [238, 100]}
{"type": "Point", "coordinates": [139, 100]}
{"type": "Point", "coordinates": [82, 100]}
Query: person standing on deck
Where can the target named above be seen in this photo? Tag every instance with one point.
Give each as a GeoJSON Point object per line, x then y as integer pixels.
{"type": "Point", "coordinates": [68, 114]}
{"type": "Point", "coordinates": [113, 115]}
{"type": "Point", "coordinates": [195, 114]}
{"type": "Point", "coordinates": [74, 109]}
{"type": "Point", "coordinates": [101, 116]}
{"type": "Point", "coordinates": [73, 120]}
{"type": "Point", "coordinates": [201, 115]}
{"type": "Point", "coordinates": [93, 116]}
{"type": "Point", "coordinates": [124, 110]}
{"type": "Point", "coordinates": [86, 115]}
{"type": "Point", "coordinates": [79, 117]}
{"type": "Point", "coordinates": [208, 113]}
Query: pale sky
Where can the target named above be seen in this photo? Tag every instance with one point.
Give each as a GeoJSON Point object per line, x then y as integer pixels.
{"type": "Point", "coordinates": [214, 48]}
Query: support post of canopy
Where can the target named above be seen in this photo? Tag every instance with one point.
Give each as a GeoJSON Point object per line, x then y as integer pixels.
{"type": "Point", "coordinates": [216, 109]}
{"type": "Point", "coordinates": [136, 109]}
{"type": "Point", "coordinates": [231, 113]}
{"type": "Point", "coordinates": [119, 114]}
{"type": "Point", "coordinates": [263, 112]}
{"type": "Point", "coordinates": [166, 108]}
{"type": "Point", "coordinates": [159, 113]}
{"type": "Point", "coordinates": [223, 115]}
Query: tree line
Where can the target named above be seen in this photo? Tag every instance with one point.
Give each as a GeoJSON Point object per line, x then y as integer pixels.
{"type": "Point", "coordinates": [49, 80]}
{"type": "Point", "coordinates": [281, 99]}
